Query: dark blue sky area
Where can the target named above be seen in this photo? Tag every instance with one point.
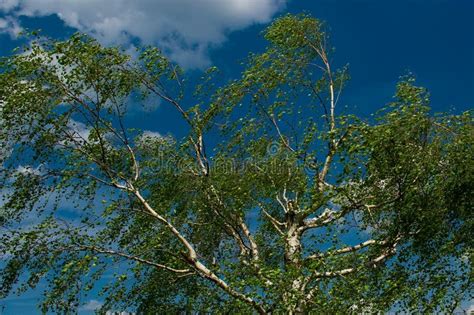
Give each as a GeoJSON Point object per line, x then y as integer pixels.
{"type": "Point", "coordinates": [382, 40]}
{"type": "Point", "coordinates": [379, 39]}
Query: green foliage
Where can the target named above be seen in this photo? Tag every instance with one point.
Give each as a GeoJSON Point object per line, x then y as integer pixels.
{"type": "Point", "coordinates": [298, 209]}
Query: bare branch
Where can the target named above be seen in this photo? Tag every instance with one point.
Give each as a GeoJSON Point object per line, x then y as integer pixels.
{"type": "Point", "coordinates": [132, 257]}
{"type": "Point", "coordinates": [328, 216]}
{"type": "Point", "coordinates": [284, 207]}
{"type": "Point", "coordinates": [347, 249]}
{"type": "Point", "coordinates": [371, 263]}
{"type": "Point", "coordinates": [149, 85]}
{"type": "Point", "coordinates": [192, 257]}
{"type": "Point", "coordinates": [276, 224]}
{"type": "Point", "coordinates": [253, 244]}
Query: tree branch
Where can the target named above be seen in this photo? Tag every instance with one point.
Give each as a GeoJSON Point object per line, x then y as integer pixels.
{"type": "Point", "coordinates": [132, 257]}
{"type": "Point", "coordinates": [347, 249]}
{"type": "Point", "coordinates": [192, 257]}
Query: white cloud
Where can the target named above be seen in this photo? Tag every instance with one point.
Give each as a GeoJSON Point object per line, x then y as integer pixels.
{"type": "Point", "coordinates": [184, 28]}
{"type": "Point", "coordinates": [29, 170]}
{"type": "Point", "coordinates": [92, 305]}
{"type": "Point", "coordinates": [151, 134]}
{"type": "Point", "coordinates": [79, 130]}
{"type": "Point", "coordinates": [470, 309]}
{"type": "Point", "coordinates": [7, 5]}
{"type": "Point", "coordinates": [467, 307]}
{"type": "Point", "coordinates": [10, 26]}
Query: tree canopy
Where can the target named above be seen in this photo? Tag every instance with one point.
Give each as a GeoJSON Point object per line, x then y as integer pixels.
{"type": "Point", "coordinates": [276, 201]}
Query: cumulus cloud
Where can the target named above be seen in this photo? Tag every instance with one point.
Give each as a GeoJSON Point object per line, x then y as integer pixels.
{"type": "Point", "coordinates": [10, 26]}
{"type": "Point", "coordinates": [80, 131]}
{"type": "Point", "coordinates": [29, 170]}
{"type": "Point", "coordinates": [186, 29]}
{"type": "Point", "coordinates": [92, 305]}
{"type": "Point", "coordinates": [6, 5]}
{"type": "Point", "coordinates": [151, 134]}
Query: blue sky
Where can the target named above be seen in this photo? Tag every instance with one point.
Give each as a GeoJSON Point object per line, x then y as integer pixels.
{"type": "Point", "coordinates": [380, 40]}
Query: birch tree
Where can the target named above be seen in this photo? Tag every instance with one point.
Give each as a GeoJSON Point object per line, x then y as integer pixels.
{"type": "Point", "coordinates": [277, 200]}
